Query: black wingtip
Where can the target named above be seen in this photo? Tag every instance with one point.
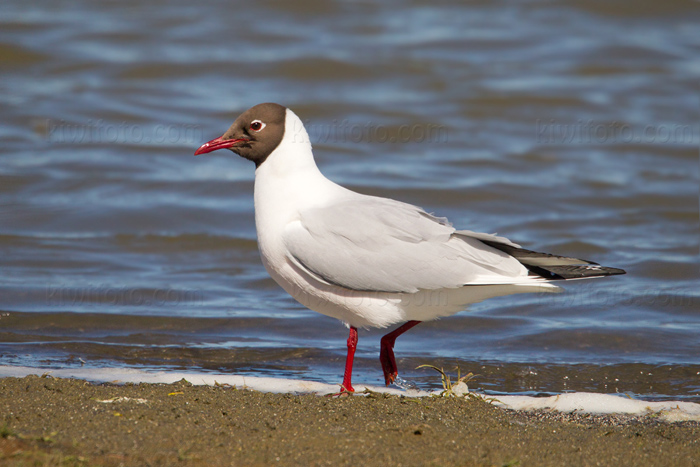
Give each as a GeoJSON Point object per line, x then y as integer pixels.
{"type": "Point", "coordinates": [554, 267]}
{"type": "Point", "coordinates": [583, 271]}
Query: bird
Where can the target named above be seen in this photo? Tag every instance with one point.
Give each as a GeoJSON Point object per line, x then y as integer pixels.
{"type": "Point", "coordinates": [368, 261]}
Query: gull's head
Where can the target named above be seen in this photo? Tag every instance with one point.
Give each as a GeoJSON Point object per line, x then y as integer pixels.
{"type": "Point", "coordinates": [254, 135]}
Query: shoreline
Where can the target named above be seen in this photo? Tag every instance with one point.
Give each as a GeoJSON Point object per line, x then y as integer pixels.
{"type": "Point", "coordinates": [55, 421]}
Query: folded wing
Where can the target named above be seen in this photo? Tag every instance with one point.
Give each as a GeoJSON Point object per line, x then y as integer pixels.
{"type": "Point", "coordinates": [377, 244]}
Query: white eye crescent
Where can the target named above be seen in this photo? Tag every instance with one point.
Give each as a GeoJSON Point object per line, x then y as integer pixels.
{"type": "Point", "coordinates": [256, 125]}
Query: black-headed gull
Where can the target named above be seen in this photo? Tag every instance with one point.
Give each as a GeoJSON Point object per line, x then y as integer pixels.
{"type": "Point", "coordinates": [370, 261]}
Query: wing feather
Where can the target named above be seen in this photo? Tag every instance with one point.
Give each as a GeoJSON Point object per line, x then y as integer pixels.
{"type": "Point", "coordinates": [377, 244]}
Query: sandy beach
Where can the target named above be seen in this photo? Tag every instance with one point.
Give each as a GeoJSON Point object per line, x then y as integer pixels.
{"type": "Point", "coordinates": [51, 421]}
{"type": "Point", "coordinates": [128, 263]}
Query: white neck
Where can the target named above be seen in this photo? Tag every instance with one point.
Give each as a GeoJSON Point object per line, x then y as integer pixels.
{"type": "Point", "coordinates": [293, 155]}
{"type": "Point", "coordinates": [289, 180]}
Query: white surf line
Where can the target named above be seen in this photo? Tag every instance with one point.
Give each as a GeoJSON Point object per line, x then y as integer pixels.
{"type": "Point", "coordinates": [255, 383]}
{"type": "Point", "coordinates": [595, 403]}
{"type": "Point", "coordinates": [579, 402]}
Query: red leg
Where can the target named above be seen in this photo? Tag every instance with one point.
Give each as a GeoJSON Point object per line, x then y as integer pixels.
{"type": "Point", "coordinates": [347, 377]}
{"type": "Point", "coordinates": [386, 354]}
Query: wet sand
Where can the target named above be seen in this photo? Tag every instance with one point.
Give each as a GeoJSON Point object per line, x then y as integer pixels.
{"type": "Point", "coordinates": [49, 421]}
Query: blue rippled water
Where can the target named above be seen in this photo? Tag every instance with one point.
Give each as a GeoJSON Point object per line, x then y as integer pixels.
{"type": "Point", "coordinates": [569, 127]}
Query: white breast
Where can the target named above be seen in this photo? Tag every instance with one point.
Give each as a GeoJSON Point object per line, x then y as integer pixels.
{"type": "Point", "coordinates": [289, 182]}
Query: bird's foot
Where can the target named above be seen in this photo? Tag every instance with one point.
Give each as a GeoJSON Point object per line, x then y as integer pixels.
{"type": "Point", "coordinates": [386, 357]}
{"type": "Point", "coordinates": [386, 352]}
{"type": "Point", "coordinates": [390, 374]}
{"type": "Point", "coordinates": [343, 392]}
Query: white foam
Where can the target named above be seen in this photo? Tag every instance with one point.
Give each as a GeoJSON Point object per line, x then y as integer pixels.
{"type": "Point", "coordinates": [256, 383]}
{"type": "Point", "coordinates": [580, 402]}
{"type": "Point", "coordinates": [586, 402]}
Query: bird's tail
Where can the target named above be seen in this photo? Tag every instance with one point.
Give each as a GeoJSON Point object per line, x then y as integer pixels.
{"type": "Point", "coordinates": [553, 267]}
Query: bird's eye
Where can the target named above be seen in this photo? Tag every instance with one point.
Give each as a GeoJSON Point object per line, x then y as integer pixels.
{"type": "Point", "coordinates": [257, 125]}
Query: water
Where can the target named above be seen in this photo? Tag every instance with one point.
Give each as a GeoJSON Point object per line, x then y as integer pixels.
{"type": "Point", "coordinates": [569, 127]}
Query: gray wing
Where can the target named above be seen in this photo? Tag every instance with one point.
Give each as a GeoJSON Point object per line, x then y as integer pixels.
{"type": "Point", "coordinates": [377, 244]}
